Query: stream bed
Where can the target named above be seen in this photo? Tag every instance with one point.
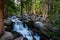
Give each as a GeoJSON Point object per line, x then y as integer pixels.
{"type": "Point", "coordinates": [25, 31]}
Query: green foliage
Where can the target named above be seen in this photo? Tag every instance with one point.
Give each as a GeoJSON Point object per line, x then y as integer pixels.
{"type": "Point", "coordinates": [31, 6]}
{"type": "Point", "coordinates": [54, 16]}
{"type": "Point", "coordinates": [10, 5]}
{"type": "Point", "coordinates": [55, 12]}
{"type": "Point", "coordinates": [57, 8]}
{"type": "Point", "coordinates": [57, 24]}
{"type": "Point", "coordinates": [34, 6]}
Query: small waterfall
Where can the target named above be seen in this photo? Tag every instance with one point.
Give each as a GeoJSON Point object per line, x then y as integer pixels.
{"type": "Point", "coordinates": [25, 31]}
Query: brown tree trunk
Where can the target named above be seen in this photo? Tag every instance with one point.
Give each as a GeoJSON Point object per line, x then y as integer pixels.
{"type": "Point", "coordinates": [22, 6]}
{"type": "Point", "coordinates": [1, 19]}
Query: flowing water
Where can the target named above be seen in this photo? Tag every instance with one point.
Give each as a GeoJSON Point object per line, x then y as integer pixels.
{"type": "Point", "coordinates": [25, 31]}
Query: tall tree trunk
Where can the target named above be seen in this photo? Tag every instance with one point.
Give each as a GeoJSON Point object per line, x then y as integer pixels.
{"type": "Point", "coordinates": [22, 6]}
{"type": "Point", "coordinates": [1, 19]}
{"type": "Point", "coordinates": [5, 8]}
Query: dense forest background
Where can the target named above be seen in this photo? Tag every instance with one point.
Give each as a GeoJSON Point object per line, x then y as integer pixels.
{"type": "Point", "coordinates": [50, 8]}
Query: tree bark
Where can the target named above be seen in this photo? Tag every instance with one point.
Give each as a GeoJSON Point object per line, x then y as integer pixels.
{"type": "Point", "coordinates": [1, 19]}
{"type": "Point", "coordinates": [22, 5]}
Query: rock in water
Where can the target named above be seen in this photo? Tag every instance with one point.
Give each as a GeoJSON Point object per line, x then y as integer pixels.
{"type": "Point", "coordinates": [16, 34]}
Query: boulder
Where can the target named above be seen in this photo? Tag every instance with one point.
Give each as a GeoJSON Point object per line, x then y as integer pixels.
{"type": "Point", "coordinates": [7, 36]}
{"type": "Point", "coordinates": [39, 25]}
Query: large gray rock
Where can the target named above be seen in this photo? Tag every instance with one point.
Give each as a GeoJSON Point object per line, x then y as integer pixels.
{"type": "Point", "coordinates": [41, 27]}
{"type": "Point", "coordinates": [7, 36]}
{"type": "Point", "coordinates": [39, 24]}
